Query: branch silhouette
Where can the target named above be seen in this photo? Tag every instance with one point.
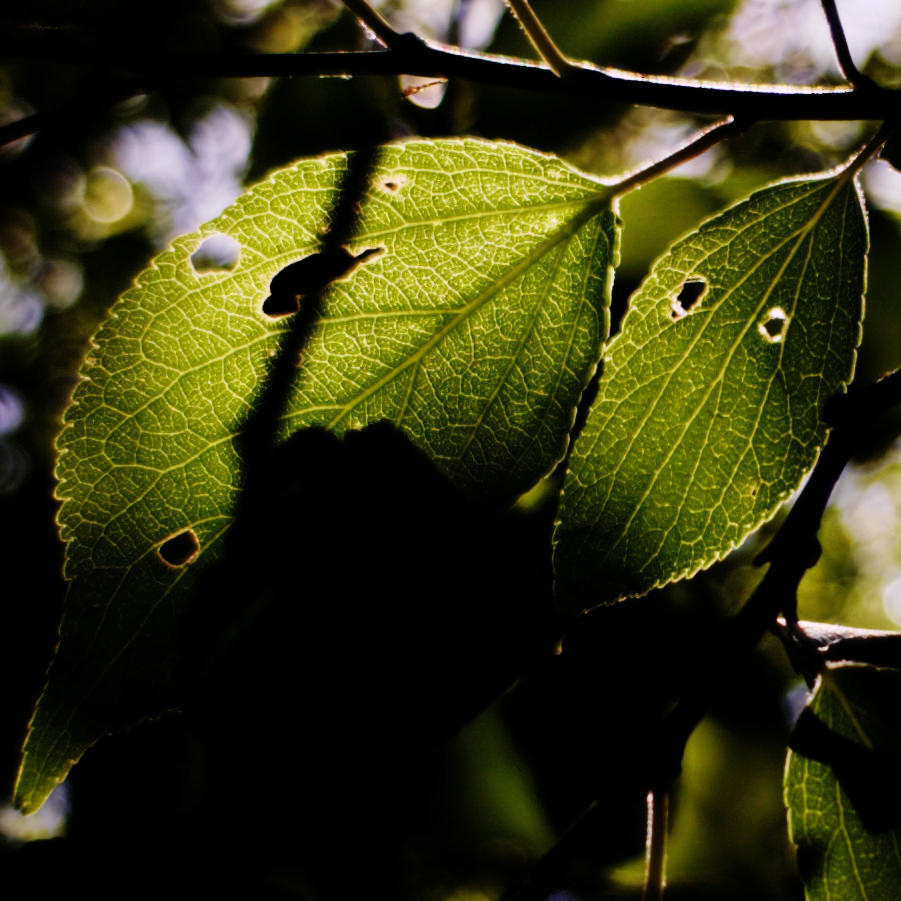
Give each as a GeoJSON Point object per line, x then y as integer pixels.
{"type": "Point", "coordinates": [411, 55]}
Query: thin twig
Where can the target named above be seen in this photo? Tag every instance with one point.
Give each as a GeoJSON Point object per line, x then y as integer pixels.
{"type": "Point", "coordinates": [256, 443]}
{"type": "Point", "coordinates": [840, 42]}
{"type": "Point", "coordinates": [374, 21]}
{"type": "Point", "coordinates": [655, 850]}
{"type": "Point", "coordinates": [260, 431]}
{"type": "Point", "coordinates": [539, 37]}
{"type": "Point", "coordinates": [66, 114]}
{"type": "Point", "coordinates": [694, 147]}
{"type": "Point", "coordinates": [545, 875]}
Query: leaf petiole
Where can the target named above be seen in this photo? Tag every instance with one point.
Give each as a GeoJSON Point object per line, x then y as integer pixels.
{"type": "Point", "coordinates": [697, 145]}
{"type": "Point", "coordinates": [540, 38]}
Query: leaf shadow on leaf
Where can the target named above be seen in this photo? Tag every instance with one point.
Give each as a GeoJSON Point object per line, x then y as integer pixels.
{"type": "Point", "coordinates": [362, 612]}
{"type": "Point", "coordinates": [307, 278]}
{"type": "Point", "coordinates": [869, 777]}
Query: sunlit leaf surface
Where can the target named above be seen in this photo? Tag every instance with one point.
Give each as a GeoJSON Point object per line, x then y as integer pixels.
{"type": "Point", "coordinates": [841, 786]}
{"type": "Point", "coordinates": [472, 319]}
{"type": "Point", "coordinates": [708, 415]}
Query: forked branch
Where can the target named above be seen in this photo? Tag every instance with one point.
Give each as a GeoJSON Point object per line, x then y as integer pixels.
{"type": "Point", "coordinates": [842, 52]}
{"type": "Point", "coordinates": [540, 38]}
{"type": "Point", "coordinates": [409, 55]}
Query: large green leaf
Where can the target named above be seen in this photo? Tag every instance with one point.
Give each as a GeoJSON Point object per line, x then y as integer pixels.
{"type": "Point", "coordinates": [709, 413]}
{"type": "Point", "coordinates": [841, 786]}
{"type": "Point", "coordinates": [474, 323]}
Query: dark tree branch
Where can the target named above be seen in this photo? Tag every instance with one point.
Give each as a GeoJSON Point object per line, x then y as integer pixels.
{"type": "Point", "coordinates": [410, 55]}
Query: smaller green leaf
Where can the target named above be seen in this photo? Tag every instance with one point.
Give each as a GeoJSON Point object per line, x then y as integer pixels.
{"type": "Point", "coordinates": [709, 413]}
{"type": "Point", "coordinates": [842, 787]}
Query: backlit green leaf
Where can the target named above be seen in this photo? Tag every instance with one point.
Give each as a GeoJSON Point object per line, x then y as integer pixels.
{"type": "Point", "coordinates": [708, 415]}
{"type": "Point", "coordinates": [473, 320]}
{"type": "Point", "coordinates": [841, 786]}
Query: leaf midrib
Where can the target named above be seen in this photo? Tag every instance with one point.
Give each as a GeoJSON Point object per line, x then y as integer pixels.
{"type": "Point", "coordinates": [595, 199]}
{"type": "Point", "coordinates": [563, 233]}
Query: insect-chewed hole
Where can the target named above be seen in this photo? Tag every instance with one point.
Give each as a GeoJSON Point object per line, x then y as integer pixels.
{"type": "Point", "coordinates": [179, 549]}
{"type": "Point", "coordinates": [281, 304]}
{"type": "Point", "coordinates": [772, 326]}
{"type": "Point", "coordinates": [689, 294]}
{"type": "Point", "coordinates": [216, 253]}
{"type": "Point", "coordinates": [310, 275]}
{"type": "Point", "coordinates": [393, 183]}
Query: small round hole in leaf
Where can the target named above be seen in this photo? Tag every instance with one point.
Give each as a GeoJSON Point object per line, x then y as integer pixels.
{"type": "Point", "coordinates": [689, 294]}
{"type": "Point", "coordinates": [180, 549]}
{"type": "Point", "coordinates": [217, 253]}
{"type": "Point", "coordinates": [393, 183]}
{"type": "Point", "coordinates": [772, 326]}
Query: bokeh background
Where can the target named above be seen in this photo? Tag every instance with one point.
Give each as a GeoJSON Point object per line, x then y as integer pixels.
{"type": "Point", "coordinates": [87, 202]}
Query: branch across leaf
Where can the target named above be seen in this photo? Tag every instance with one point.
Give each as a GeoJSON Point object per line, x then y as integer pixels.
{"type": "Point", "coordinates": [469, 310]}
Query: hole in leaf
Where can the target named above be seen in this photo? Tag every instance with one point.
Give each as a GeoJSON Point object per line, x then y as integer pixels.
{"type": "Point", "coordinates": [309, 276]}
{"type": "Point", "coordinates": [180, 549]}
{"type": "Point", "coordinates": [216, 253]}
{"type": "Point", "coordinates": [689, 294]}
{"type": "Point", "coordinates": [393, 183]}
{"type": "Point", "coordinates": [773, 325]}
{"type": "Point", "coordinates": [281, 304]}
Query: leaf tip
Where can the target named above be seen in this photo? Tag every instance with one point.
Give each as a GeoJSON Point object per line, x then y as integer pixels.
{"type": "Point", "coordinates": [35, 779]}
